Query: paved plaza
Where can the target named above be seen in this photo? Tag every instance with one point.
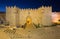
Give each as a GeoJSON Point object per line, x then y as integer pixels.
{"type": "Point", "coordinates": [36, 33]}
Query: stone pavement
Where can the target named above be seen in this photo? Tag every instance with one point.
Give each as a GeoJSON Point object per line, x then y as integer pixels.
{"type": "Point", "coordinates": [39, 33]}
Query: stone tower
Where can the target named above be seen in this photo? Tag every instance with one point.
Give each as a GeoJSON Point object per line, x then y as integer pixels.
{"type": "Point", "coordinates": [11, 15]}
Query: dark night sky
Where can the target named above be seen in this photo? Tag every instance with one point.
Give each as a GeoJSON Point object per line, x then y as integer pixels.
{"type": "Point", "coordinates": [30, 4]}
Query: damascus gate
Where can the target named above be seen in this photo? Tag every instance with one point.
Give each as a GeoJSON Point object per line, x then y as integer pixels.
{"type": "Point", "coordinates": [16, 16]}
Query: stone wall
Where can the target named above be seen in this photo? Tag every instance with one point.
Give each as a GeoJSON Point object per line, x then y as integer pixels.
{"type": "Point", "coordinates": [17, 16]}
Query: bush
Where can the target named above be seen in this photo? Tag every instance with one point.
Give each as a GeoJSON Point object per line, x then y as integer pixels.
{"type": "Point", "coordinates": [37, 25]}
{"type": "Point", "coordinates": [54, 24]}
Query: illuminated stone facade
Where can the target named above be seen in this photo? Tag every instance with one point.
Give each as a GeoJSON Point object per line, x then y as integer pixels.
{"type": "Point", "coordinates": [2, 17]}
{"type": "Point", "coordinates": [17, 16]}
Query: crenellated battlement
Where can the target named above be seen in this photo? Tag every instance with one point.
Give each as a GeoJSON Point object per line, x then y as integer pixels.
{"type": "Point", "coordinates": [42, 7]}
